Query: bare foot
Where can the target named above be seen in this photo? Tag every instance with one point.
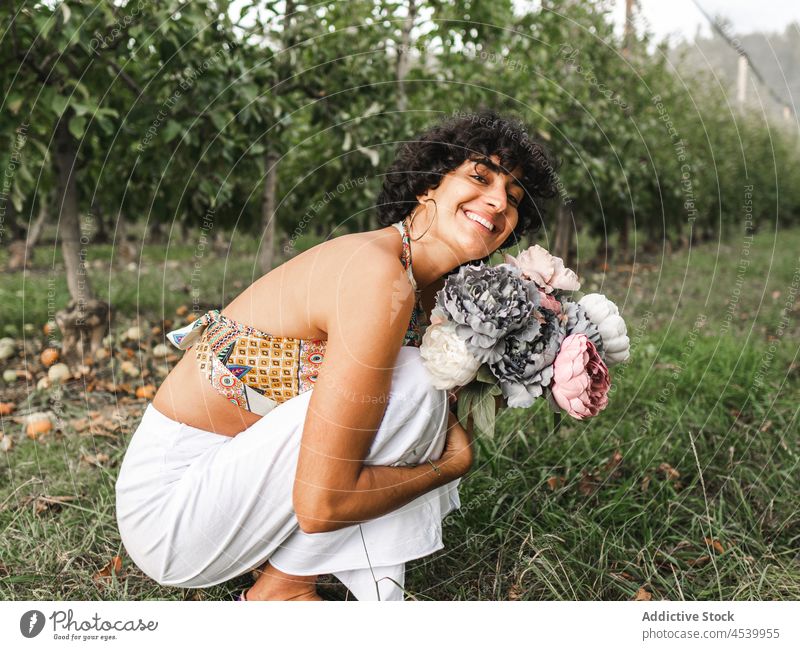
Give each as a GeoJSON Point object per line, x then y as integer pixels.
{"type": "Point", "coordinates": [311, 595]}
{"type": "Point", "coordinates": [274, 584]}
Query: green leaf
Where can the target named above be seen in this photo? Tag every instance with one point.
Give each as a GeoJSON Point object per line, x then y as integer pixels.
{"type": "Point", "coordinates": [219, 120]}
{"type": "Point", "coordinates": [41, 148]}
{"type": "Point", "coordinates": [484, 415]}
{"type": "Point", "coordinates": [43, 25]}
{"type": "Point", "coordinates": [14, 104]}
{"type": "Point", "coordinates": [208, 188]}
{"type": "Point", "coordinates": [477, 400]}
{"type": "Point", "coordinates": [82, 109]}
{"type": "Point", "coordinates": [16, 199]}
{"type": "Point", "coordinates": [171, 130]}
{"type": "Point", "coordinates": [249, 92]}
{"type": "Point", "coordinates": [59, 104]}
{"type": "Point", "coordinates": [25, 175]}
{"type": "Point", "coordinates": [105, 124]}
{"type": "Point", "coordinates": [77, 126]}
{"type": "Point", "coordinates": [465, 397]}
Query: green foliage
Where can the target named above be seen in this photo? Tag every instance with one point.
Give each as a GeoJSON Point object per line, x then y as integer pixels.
{"type": "Point", "coordinates": [477, 402]}
{"type": "Point", "coordinates": [174, 107]}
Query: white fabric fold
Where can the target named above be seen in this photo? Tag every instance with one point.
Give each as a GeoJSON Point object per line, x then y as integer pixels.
{"type": "Point", "coordinates": [195, 509]}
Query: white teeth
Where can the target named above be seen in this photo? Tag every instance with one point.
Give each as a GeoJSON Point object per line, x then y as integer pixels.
{"type": "Point", "coordinates": [487, 224]}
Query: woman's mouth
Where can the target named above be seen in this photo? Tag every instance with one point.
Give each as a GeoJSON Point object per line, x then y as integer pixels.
{"type": "Point", "coordinates": [481, 222]}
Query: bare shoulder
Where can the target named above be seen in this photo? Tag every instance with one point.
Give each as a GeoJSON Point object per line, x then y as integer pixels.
{"type": "Point", "coordinates": [377, 249]}
{"type": "Point", "coordinates": [300, 297]}
{"type": "Point", "coordinates": [361, 275]}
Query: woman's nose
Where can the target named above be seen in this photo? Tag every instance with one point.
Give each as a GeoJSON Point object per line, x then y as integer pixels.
{"type": "Point", "coordinates": [496, 196]}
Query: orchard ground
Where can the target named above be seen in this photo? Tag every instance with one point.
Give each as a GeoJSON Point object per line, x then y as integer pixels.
{"type": "Point", "coordinates": [685, 487]}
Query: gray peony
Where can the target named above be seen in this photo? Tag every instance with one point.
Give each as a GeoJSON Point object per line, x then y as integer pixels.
{"type": "Point", "coordinates": [488, 303]}
{"type": "Point", "coordinates": [525, 369]}
{"type": "Point", "coordinates": [578, 323]}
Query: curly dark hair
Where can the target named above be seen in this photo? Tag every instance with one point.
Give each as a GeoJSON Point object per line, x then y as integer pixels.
{"type": "Point", "coordinates": [421, 163]}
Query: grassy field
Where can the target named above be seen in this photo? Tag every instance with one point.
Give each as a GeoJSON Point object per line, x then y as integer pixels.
{"type": "Point", "coordinates": [686, 487]}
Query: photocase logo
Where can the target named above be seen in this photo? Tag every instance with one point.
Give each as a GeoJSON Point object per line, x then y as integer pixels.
{"type": "Point", "coordinates": [31, 623]}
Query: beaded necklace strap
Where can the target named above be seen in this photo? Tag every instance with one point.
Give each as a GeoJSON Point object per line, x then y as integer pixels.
{"type": "Point", "coordinates": [418, 318]}
{"type": "Point", "coordinates": [402, 226]}
{"type": "Point", "coordinates": [406, 245]}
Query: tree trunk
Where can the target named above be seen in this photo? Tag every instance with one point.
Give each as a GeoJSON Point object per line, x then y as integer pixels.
{"type": "Point", "coordinates": [623, 244]}
{"type": "Point", "coordinates": [266, 255]}
{"type": "Point", "coordinates": [16, 248]}
{"type": "Point", "coordinates": [18, 256]}
{"type": "Point", "coordinates": [155, 233]}
{"type": "Point", "coordinates": [401, 68]}
{"type": "Point", "coordinates": [85, 319]}
{"type": "Point", "coordinates": [602, 254]}
{"type": "Point", "coordinates": [101, 233]}
{"type": "Point", "coordinates": [563, 237]}
{"type": "Point", "coordinates": [37, 226]}
{"type": "Point", "coordinates": [127, 251]}
{"type": "Point", "coordinates": [220, 244]}
{"type": "Point", "coordinates": [80, 288]}
{"type": "Point", "coordinates": [20, 252]}
{"type": "Point", "coordinates": [178, 231]}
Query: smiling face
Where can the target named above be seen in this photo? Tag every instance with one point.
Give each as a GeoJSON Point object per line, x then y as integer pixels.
{"type": "Point", "coordinates": [477, 206]}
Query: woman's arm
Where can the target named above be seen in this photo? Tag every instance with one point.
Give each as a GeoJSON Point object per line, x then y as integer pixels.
{"type": "Point", "coordinates": [379, 490]}
{"type": "Point", "coordinates": [369, 313]}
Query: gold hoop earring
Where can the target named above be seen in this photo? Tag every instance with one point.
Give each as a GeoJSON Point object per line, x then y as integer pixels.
{"type": "Point", "coordinates": [414, 214]}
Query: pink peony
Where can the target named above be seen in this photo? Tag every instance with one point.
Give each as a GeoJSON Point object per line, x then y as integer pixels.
{"type": "Point", "coordinates": [535, 262]}
{"type": "Point", "coordinates": [544, 269]}
{"type": "Point", "coordinates": [580, 378]}
{"type": "Point", "coordinates": [548, 302]}
{"type": "Point", "coordinates": [563, 278]}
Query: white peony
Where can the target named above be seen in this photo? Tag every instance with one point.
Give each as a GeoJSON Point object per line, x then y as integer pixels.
{"type": "Point", "coordinates": [605, 314]}
{"type": "Point", "coordinates": [598, 307]}
{"type": "Point", "coordinates": [445, 355]}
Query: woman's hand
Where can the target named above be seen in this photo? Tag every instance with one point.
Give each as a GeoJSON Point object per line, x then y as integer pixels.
{"type": "Point", "coordinates": [458, 454]}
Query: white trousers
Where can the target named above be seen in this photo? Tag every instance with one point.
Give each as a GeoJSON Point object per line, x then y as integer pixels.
{"type": "Point", "coordinates": [195, 508]}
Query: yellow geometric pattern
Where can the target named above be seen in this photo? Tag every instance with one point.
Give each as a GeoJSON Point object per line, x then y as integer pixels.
{"type": "Point", "coordinates": [274, 363]}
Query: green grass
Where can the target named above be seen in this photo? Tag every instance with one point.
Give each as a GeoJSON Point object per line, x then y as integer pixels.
{"type": "Point", "coordinates": [161, 279]}
{"type": "Point", "coordinates": [709, 391]}
{"type": "Point", "coordinates": [608, 537]}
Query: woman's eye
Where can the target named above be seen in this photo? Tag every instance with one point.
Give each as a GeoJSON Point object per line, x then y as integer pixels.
{"type": "Point", "coordinates": [479, 177]}
{"type": "Point", "coordinates": [514, 199]}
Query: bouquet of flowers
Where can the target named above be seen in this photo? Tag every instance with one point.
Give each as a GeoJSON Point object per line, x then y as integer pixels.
{"type": "Point", "coordinates": [512, 330]}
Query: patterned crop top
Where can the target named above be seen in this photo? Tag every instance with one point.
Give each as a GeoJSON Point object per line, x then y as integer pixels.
{"type": "Point", "coordinates": [258, 371]}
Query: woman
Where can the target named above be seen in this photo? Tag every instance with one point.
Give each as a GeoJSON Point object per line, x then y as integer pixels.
{"type": "Point", "coordinates": [310, 440]}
